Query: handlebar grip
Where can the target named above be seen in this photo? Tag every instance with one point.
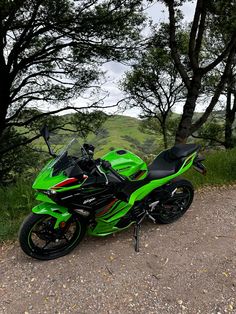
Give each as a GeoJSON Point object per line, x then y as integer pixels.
{"type": "Point", "coordinates": [107, 166]}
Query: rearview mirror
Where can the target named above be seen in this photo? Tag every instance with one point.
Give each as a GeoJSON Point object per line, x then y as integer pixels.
{"type": "Point", "coordinates": [45, 132]}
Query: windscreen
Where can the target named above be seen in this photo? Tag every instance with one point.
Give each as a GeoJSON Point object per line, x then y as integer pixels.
{"type": "Point", "coordinates": [67, 155]}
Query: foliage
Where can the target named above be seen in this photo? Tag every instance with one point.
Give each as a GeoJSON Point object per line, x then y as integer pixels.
{"type": "Point", "coordinates": [153, 85]}
{"type": "Point", "coordinates": [221, 169]}
{"type": "Point", "coordinates": [17, 163]}
{"type": "Point", "coordinates": [119, 127]}
{"type": "Point", "coordinates": [16, 202]}
{"type": "Point", "coordinates": [195, 66]}
{"type": "Point", "coordinates": [50, 53]}
{"type": "Point", "coordinates": [152, 126]}
{"type": "Point", "coordinates": [211, 134]}
{"type": "Point", "coordinates": [16, 157]}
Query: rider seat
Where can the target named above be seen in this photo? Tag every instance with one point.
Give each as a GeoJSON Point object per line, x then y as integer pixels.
{"type": "Point", "coordinates": [169, 161]}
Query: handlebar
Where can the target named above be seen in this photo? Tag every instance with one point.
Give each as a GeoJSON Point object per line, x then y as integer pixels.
{"type": "Point", "coordinates": [107, 166]}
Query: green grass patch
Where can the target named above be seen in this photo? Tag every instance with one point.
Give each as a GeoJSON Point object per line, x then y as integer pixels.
{"type": "Point", "coordinates": [221, 169]}
{"type": "Point", "coordinates": [16, 202]}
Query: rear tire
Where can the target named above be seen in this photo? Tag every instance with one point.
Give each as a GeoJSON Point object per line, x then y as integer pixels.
{"type": "Point", "coordinates": [40, 240]}
{"type": "Point", "coordinates": [175, 207]}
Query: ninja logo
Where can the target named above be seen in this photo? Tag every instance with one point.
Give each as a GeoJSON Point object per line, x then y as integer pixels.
{"type": "Point", "coordinates": [89, 200]}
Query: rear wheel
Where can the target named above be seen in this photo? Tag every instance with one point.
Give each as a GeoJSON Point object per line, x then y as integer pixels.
{"type": "Point", "coordinates": [40, 240]}
{"type": "Point", "coordinates": [176, 206]}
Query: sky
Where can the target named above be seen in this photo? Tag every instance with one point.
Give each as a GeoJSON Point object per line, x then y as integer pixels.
{"type": "Point", "coordinates": [115, 71]}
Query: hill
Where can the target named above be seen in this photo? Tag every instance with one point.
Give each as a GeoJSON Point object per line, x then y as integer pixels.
{"type": "Point", "coordinates": [123, 132]}
{"type": "Point", "coordinates": [120, 131]}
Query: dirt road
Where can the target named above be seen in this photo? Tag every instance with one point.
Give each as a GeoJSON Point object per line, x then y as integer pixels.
{"type": "Point", "coordinates": [186, 267]}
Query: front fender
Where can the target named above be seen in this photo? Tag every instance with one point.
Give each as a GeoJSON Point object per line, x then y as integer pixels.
{"type": "Point", "coordinates": [59, 212]}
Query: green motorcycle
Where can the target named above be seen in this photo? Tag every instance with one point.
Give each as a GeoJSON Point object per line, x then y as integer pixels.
{"type": "Point", "coordinates": [80, 194]}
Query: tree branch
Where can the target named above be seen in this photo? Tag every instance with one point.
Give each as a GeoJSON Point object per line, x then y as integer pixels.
{"type": "Point", "coordinates": [201, 29]}
{"type": "Point", "coordinates": [173, 45]}
{"type": "Point", "coordinates": [221, 57]}
{"type": "Point", "coordinates": [193, 34]}
{"type": "Point", "coordinates": [208, 138]}
{"type": "Point", "coordinates": [217, 93]}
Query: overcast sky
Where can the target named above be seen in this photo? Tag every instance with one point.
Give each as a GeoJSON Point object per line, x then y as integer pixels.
{"type": "Point", "coordinates": [115, 71]}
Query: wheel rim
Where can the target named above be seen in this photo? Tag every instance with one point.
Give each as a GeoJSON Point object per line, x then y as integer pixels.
{"type": "Point", "coordinates": [43, 239]}
{"type": "Point", "coordinates": [177, 205]}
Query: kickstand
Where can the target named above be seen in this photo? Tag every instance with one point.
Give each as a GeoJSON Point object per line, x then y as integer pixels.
{"type": "Point", "coordinates": [136, 236]}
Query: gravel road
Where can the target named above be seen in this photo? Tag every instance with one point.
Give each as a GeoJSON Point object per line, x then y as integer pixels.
{"type": "Point", "coordinates": [186, 267]}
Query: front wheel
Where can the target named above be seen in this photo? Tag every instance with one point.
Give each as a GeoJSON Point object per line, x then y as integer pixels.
{"type": "Point", "coordinates": [171, 209]}
{"type": "Point", "coordinates": [40, 240]}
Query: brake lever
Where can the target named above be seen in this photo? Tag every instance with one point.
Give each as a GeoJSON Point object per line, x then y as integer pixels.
{"type": "Point", "coordinates": [101, 171]}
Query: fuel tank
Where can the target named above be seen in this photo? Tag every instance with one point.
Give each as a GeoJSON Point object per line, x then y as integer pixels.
{"type": "Point", "coordinates": [127, 164]}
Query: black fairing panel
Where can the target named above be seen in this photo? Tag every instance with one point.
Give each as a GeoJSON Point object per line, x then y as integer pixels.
{"type": "Point", "coordinates": [94, 194]}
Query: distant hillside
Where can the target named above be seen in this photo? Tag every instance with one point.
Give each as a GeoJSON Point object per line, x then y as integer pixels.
{"type": "Point", "coordinates": [120, 131]}
{"type": "Point", "coordinates": [123, 131]}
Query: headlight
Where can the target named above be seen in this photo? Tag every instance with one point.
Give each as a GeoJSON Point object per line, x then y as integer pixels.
{"type": "Point", "coordinates": [47, 192]}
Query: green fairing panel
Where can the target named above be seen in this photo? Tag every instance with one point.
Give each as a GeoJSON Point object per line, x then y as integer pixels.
{"type": "Point", "coordinates": [106, 223]}
{"type": "Point", "coordinates": [44, 198]}
{"type": "Point", "coordinates": [45, 180]}
{"type": "Point", "coordinates": [57, 211]}
{"type": "Point", "coordinates": [126, 164]}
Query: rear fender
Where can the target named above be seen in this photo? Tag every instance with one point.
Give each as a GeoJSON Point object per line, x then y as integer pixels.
{"type": "Point", "coordinates": [59, 212]}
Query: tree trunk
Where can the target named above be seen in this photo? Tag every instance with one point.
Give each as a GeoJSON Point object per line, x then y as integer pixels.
{"type": "Point", "coordinates": [4, 84]}
{"type": "Point", "coordinates": [164, 133]}
{"type": "Point", "coordinates": [229, 120]}
{"type": "Point", "coordinates": [4, 100]}
{"type": "Point", "coordinates": [183, 130]}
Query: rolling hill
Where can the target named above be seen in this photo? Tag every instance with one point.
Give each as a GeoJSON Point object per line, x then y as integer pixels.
{"type": "Point", "coordinates": [123, 132]}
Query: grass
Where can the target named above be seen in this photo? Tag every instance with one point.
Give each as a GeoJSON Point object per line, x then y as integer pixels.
{"type": "Point", "coordinates": [17, 200]}
{"type": "Point", "coordinates": [221, 169]}
{"type": "Point", "coordinates": [119, 126]}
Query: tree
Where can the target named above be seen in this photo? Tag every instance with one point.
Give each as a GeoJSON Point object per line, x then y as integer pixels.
{"type": "Point", "coordinates": [151, 126]}
{"type": "Point", "coordinates": [207, 14]}
{"type": "Point", "coordinates": [50, 52]}
{"type": "Point", "coordinates": [220, 130]}
{"type": "Point", "coordinates": [17, 162]}
{"type": "Point", "coordinates": [230, 109]}
{"type": "Point", "coordinates": [211, 133]}
{"type": "Point", "coordinates": [154, 86]}
{"type": "Point", "coordinates": [81, 123]}
{"type": "Point", "coordinates": [224, 122]}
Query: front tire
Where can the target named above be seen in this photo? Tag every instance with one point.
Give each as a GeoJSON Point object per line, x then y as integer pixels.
{"type": "Point", "coordinates": [40, 240]}
{"type": "Point", "coordinates": [171, 209]}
